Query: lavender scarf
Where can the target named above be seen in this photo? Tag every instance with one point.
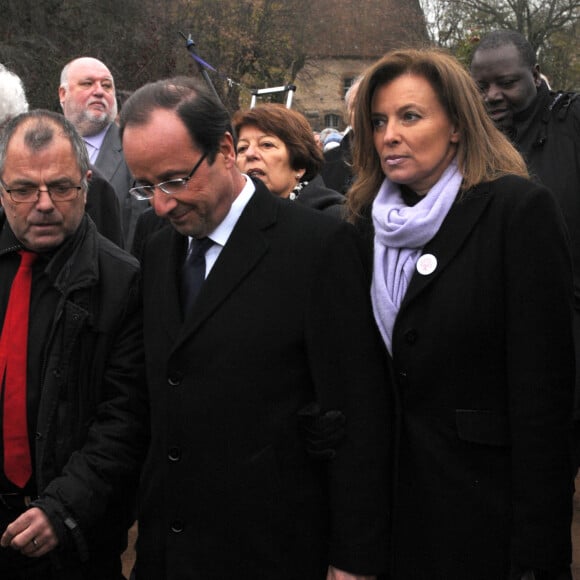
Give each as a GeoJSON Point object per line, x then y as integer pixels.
{"type": "Point", "coordinates": [401, 232]}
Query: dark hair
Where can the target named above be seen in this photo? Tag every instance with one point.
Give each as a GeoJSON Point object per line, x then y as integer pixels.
{"type": "Point", "coordinates": [500, 38]}
{"type": "Point", "coordinates": [41, 128]}
{"type": "Point", "coordinates": [292, 128]}
{"type": "Point", "coordinates": [483, 152]}
{"type": "Point", "coordinates": [204, 116]}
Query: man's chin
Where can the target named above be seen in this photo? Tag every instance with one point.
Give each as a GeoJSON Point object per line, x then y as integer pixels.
{"type": "Point", "coordinates": [186, 228]}
{"type": "Point", "coordinates": [94, 123]}
{"type": "Point", "coordinates": [503, 120]}
{"type": "Point", "coordinates": [43, 243]}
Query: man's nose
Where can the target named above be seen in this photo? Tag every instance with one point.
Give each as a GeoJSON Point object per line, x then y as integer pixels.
{"type": "Point", "coordinates": [492, 93]}
{"type": "Point", "coordinates": [162, 203]}
{"type": "Point", "coordinates": [44, 202]}
{"type": "Point", "coordinates": [98, 88]}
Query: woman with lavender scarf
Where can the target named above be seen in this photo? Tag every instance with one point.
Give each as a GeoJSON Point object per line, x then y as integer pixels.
{"type": "Point", "coordinates": [472, 293]}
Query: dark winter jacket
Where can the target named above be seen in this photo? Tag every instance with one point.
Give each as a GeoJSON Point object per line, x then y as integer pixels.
{"type": "Point", "coordinates": [91, 430]}
{"type": "Point", "coordinates": [337, 170]}
{"type": "Point", "coordinates": [316, 195]}
{"type": "Point", "coordinates": [547, 134]}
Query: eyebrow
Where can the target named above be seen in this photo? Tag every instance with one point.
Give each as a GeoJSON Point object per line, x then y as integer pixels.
{"type": "Point", "coordinates": [93, 79]}
{"type": "Point", "coordinates": [167, 176]}
{"type": "Point", "coordinates": [25, 182]}
{"type": "Point", "coordinates": [400, 109]}
{"type": "Point", "coordinates": [259, 136]}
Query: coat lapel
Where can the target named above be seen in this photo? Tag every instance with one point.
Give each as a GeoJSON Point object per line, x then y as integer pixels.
{"type": "Point", "coordinates": [170, 247]}
{"type": "Point", "coordinates": [451, 236]}
{"type": "Point", "coordinates": [111, 153]}
{"type": "Point", "coordinates": [245, 248]}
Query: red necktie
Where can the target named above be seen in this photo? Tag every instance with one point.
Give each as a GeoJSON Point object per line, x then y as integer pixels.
{"type": "Point", "coordinates": [13, 357]}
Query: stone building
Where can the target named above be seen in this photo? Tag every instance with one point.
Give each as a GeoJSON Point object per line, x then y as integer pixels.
{"type": "Point", "coordinates": [347, 36]}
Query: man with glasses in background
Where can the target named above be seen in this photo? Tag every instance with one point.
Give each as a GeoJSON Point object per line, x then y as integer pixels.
{"type": "Point", "coordinates": [72, 407]}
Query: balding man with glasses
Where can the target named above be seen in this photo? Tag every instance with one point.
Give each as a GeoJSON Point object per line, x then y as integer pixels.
{"type": "Point", "coordinates": [72, 408]}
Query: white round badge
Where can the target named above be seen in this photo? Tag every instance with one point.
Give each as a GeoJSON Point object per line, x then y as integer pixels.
{"type": "Point", "coordinates": [426, 264]}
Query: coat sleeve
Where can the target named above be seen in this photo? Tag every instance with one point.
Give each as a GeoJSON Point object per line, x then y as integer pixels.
{"type": "Point", "coordinates": [106, 467]}
{"type": "Point", "coordinates": [103, 207]}
{"type": "Point", "coordinates": [347, 362]}
{"type": "Point", "coordinates": [540, 367]}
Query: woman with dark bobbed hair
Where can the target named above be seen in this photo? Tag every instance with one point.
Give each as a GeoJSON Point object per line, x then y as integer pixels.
{"type": "Point", "coordinates": [277, 146]}
{"type": "Point", "coordinates": [472, 293]}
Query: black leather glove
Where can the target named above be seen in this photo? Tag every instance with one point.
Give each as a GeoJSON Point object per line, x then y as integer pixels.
{"type": "Point", "coordinates": [322, 432]}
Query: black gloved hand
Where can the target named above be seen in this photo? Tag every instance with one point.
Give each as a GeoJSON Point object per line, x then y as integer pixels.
{"type": "Point", "coordinates": [322, 432]}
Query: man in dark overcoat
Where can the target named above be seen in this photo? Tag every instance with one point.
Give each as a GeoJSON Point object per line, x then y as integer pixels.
{"type": "Point", "coordinates": [282, 322]}
{"type": "Point", "coordinates": [544, 126]}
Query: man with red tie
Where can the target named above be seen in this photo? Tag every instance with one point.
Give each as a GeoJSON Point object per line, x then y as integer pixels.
{"type": "Point", "coordinates": [72, 409]}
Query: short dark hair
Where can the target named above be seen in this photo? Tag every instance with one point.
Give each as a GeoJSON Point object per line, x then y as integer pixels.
{"type": "Point", "coordinates": [292, 128]}
{"type": "Point", "coordinates": [42, 126]}
{"type": "Point", "coordinates": [500, 38]}
{"type": "Point", "coordinates": [204, 116]}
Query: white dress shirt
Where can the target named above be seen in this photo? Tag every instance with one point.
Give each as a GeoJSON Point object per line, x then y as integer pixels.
{"type": "Point", "coordinates": [221, 234]}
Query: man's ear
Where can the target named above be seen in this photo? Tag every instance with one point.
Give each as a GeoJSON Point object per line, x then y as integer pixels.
{"type": "Point", "coordinates": [61, 96]}
{"type": "Point", "coordinates": [228, 149]}
{"type": "Point", "coordinates": [537, 75]}
{"type": "Point", "coordinates": [85, 193]}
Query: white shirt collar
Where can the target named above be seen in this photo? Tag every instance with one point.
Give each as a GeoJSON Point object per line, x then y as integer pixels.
{"type": "Point", "coordinates": [222, 233]}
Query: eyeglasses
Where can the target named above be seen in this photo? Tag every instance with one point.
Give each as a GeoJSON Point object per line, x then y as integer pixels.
{"type": "Point", "coordinates": [171, 187]}
{"type": "Point", "coordinates": [31, 193]}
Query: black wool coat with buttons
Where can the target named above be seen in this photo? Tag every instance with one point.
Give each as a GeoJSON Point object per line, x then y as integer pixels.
{"type": "Point", "coordinates": [283, 318]}
{"type": "Point", "coordinates": [484, 372]}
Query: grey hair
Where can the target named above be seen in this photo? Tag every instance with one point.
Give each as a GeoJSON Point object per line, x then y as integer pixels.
{"type": "Point", "coordinates": [41, 128]}
{"type": "Point", "coordinates": [12, 96]}
{"type": "Point", "coordinates": [64, 75]}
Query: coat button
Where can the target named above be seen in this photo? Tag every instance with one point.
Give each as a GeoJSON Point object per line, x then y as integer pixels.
{"type": "Point", "coordinates": [174, 379]}
{"type": "Point", "coordinates": [174, 454]}
{"type": "Point", "coordinates": [411, 336]}
{"type": "Point", "coordinates": [402, 375]}
{"type": "Point", "coordinates": [177, 526]}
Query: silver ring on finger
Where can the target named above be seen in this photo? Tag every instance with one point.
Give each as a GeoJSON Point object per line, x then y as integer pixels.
{"type": "Point", "coordinates": [34, 543]}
